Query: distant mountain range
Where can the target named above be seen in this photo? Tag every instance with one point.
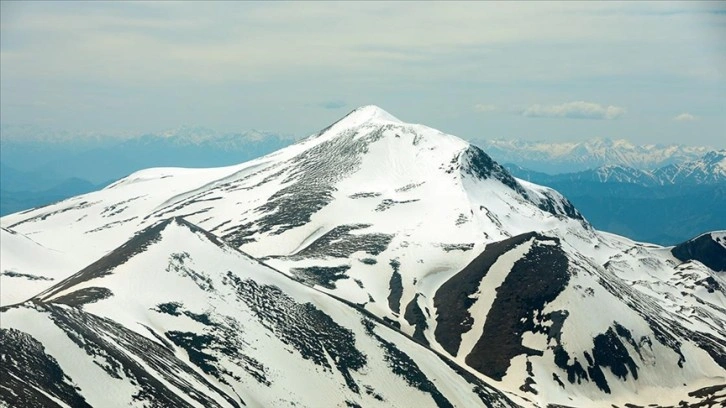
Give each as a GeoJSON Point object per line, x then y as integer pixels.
{"type": "Point", "coordinates": [638, 191]}
{"type": "Point", "coordinates": [664, 206]}
{"type": "Point", "coordinates": [708, 169]}
{"type": "Point", "coordinates": [49, 167]}
{"type": "Point", "coordinates": [567, 157]}
{"type": "Point", "coordinates": [99, 160]}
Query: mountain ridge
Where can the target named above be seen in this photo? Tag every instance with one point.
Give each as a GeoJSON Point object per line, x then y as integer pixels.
{"type": "Point", "coordinates": [419, 229]}
{"type": "Point", "coordinates": [567, 157]}
{"type": "Point", "coordinates": [707, 169]}
{"type": "Point", "coordinates": [187, 326]}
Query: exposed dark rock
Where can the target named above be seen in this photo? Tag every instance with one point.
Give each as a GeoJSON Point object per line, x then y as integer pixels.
{"type": "Point", "coordinates": [558, 206]}
{"type": "Point", "coordinates": [178, 265]}
{"type": "Point", "coordinates": [30, 376]}
{"type": "Point", "coordinates": [489, 396]}
{"type": "Point", "coordinates": [458, 247]}
{"type": "Point", "coordinates": [395, 287]}
{"type": "Point", "coordinates": [111, 346]}
{"type": "Point", "coordinates": [479, 164]}
{"type": "Point", "coordinates": [416, 318]}
{"type": "Point", "coordinates": [391, 323]}
{"type": "Point", "coordinates": [341, 243]}
{"type": "Point", "coordinates": [409, 187]}
{"type": "Point", "coordinates": [704, 249]}
{"type": "Point", "coordinates": [461, 219]}
{"type": "Point", "coordinates": [556, 378]}
{"type": "Point", "coordinates": [664, 324]}
{"type": "Point", "coordinates": [239, 235]}
{"type": "Point", "coordinates": [364, 195]}
{"type": "Point", "coordinates": [195, 345]}
{"type": "Point", "coordinates": [83, 296]}
{"type": "Point", "coordinates": [325, 276]}
{"type": "Point", "coordinates": [529, 381]}
{"type": "Point", "coordinates": [13, 274]}
{"type": "Point", "coordinates": [710, 284]}
{"type": "Point", "coordinates": [313, 175]}
{"type": "Point", "coordinates": [217, 338]}
{"type": "Point", "coordinates": [388, 203]}
{"type": "Point", "coordinates": [117, 208]}
{"type": "Point", "coordinates": [610, 352]}
{"type": "Point", "coordinates": [110, 224]}
{"type": "Point", "coordinates": [598, 377]}
{"type": "Point", "coordinates": [80, 206]}
{"type": "Point", "coordinates": [535, 279]}
{"type": "Point", "coordinates": [575, 371]}
{"type": "Point", "coordinates": [372, 392]}
{"type": "Point", "coordinates": [177, 309]}
{"type": "Point", "coordinates": [293, 206]}
{"type": "Point", "coordinates": [314, 334]}
{"type": "Point", "coordinates": [170, 308]}
{"type": "Point", "coordinates": [454, 298]}
{"type": "Point", "coordinates": [625, 334]}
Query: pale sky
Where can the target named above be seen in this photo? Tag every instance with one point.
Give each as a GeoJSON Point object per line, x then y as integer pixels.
{"type": "Point", "coordinates": [650, 72]}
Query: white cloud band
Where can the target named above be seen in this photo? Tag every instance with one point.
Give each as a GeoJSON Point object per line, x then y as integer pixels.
{"type": "Point", "coordinates": [685, 117]}
{"type": "Point", "coordinates": [575, 110]}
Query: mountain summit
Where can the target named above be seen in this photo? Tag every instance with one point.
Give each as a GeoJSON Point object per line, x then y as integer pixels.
{"type": "Point", "coordinates": [369, 113]}
{"type": "Point", "coordinates": [502, 280]}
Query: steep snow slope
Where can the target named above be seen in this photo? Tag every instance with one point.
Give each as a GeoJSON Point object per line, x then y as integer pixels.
{"type": "Point", "coordinates": [425, 231]}
{"type": "Point", "coordinates": [534, 312]}
{"type": "Point", "coordinates": [175, 317]}
{"type": "Point", "coordinates": [411, 188]}
{"type": "Point", "coordinates": [28, 267]}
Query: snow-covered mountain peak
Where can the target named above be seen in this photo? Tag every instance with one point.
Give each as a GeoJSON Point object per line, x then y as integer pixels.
{"type": "Point", "coordinates": [364, 116]}
{"type": "Point", "coordinates": [716, 157]}
{"type": "Point", "coordinates": [370, 113]}
{"type": "Point", "coordinates": [495, 278]}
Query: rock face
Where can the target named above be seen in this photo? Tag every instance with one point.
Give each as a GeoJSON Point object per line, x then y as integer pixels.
{"type": "Point", "coordinates": [709, 249]}
{"type": "Point", "coordinates": [393, 264]}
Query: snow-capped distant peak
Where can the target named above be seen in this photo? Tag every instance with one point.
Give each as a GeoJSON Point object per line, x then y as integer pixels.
{"type": "Point", "coordinates": [566, 157]}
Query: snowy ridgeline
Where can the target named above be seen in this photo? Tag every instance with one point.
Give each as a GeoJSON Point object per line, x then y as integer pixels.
{"type": "Point", "coordinates": [392, 264]}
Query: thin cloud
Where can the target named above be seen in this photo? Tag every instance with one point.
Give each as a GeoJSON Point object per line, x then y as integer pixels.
{"type": "Point", "coordinates": [685, 117]}
{"type": "Point", "coordinates": [333, 104]}
{"type": "Point", "coordinates": [485, 108]}
{"type": "Point", "coordinates": [575, 110]}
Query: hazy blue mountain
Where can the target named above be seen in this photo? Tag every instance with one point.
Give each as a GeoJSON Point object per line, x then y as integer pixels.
{"type": "Point", "coordinates": [12, 179]}
{"type": "Point", "coordinates": [664, 206]}
{"type": "Point", "coordinates": [14, 201]}
{"type": "Point", "coordinates": [44, 167]}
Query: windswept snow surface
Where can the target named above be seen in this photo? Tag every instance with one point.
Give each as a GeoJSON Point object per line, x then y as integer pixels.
{"type": "Point", "coordinates": [502, 278]}
{"type": "Point", "coordinates": [210, 326]}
